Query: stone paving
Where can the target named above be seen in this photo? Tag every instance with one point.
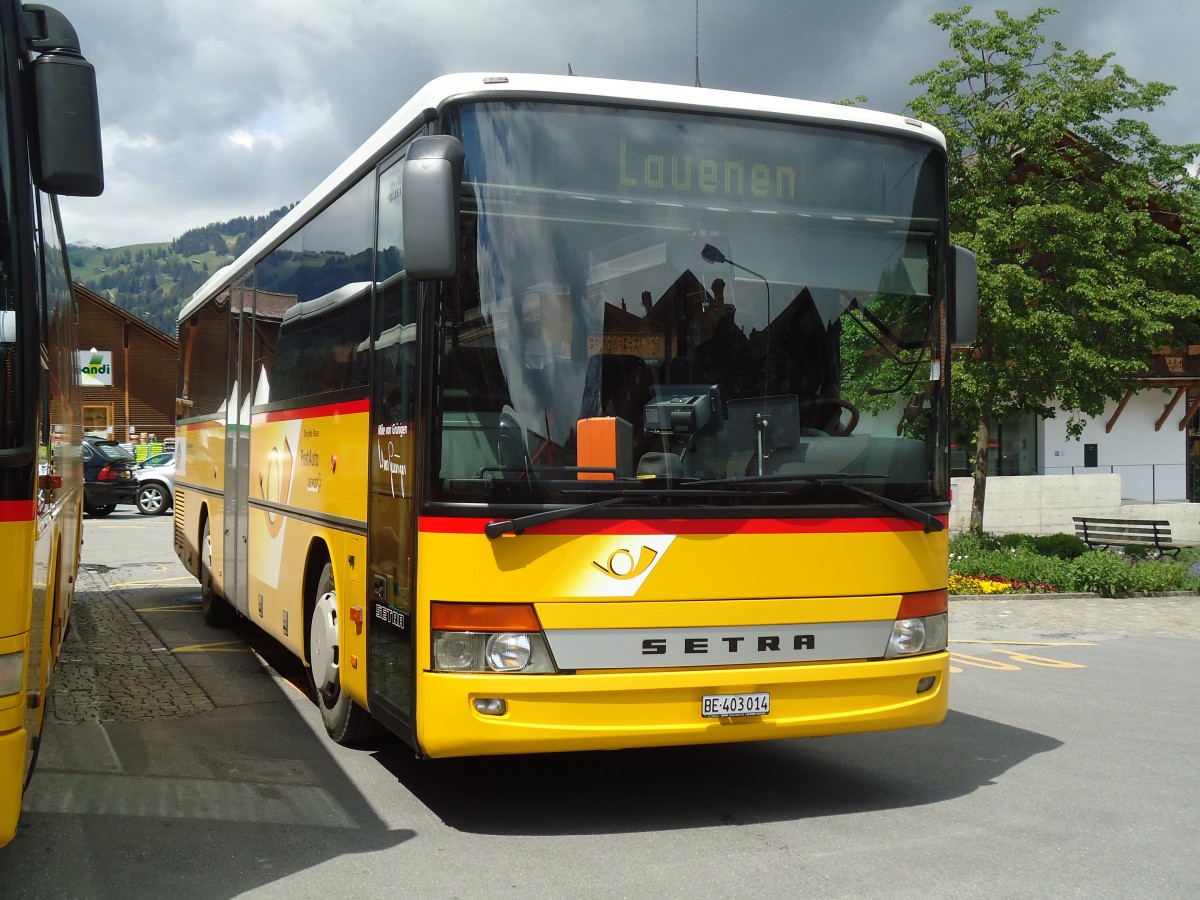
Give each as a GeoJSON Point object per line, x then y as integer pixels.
{"type": "Point", "coordinates": [113, 668]}
{"type": "Point", "coordinates": [1074, 616]}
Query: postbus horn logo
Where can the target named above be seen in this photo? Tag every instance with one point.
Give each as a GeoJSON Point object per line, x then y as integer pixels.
{"type": "Point", "coordinates": [622, 565]}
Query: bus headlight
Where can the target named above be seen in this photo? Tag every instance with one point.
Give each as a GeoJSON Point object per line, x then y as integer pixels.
{"type": "Point", "coordinates": [466, 651]}
{"type": "Point", "coordinates": [12, 670]}
{"type": "Point", "coordinates": [457, 651]}
{"type": "Point", "coordinates": [508, 652]}
{"type": "Point", "coordinates": [926, 634]}
{"type": "Point", "coordinates": [488, 637]}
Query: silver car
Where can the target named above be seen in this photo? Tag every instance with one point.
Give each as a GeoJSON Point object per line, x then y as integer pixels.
{"type": "Point", "coordinates": [156, 484]}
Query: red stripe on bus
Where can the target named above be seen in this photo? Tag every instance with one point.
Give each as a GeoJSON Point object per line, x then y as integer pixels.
{"type": "Point", "coordinates": [350, 407]}
{"type": "Point", "coordinates": [18, 510]}
{"type": "Point", "coordinates": [455, 525]}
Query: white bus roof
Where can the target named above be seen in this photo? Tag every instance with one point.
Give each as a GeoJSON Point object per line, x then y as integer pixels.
{"type": "Point", "coordinates": [434, 95]}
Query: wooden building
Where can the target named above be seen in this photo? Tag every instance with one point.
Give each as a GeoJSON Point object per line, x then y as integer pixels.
{"type": "Point", "coordinates": [127, 371]}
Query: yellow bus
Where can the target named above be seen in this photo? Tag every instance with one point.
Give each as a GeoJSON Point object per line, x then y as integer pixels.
{"type": "Point", "coordinates": [49, 144]}
{"type": "Point", "coordinates": [573, 414]}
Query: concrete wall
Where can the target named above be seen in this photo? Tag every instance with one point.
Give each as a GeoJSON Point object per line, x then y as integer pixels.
{"type": "Point", "coordinates": [1152, 464]}
{"type": "Point", "coordinates": [1045, 504]}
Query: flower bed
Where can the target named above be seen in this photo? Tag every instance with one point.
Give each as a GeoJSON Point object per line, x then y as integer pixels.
{"type": "Point", "coordinates": [975, 584]}
{"type": "Point", "coordinates": [1021, 564]}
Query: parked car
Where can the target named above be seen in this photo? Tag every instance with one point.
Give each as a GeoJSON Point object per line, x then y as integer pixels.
{"type": "Point", "coordinates": [108, 476]}
{"type": "Point", "coordinates": [156, 484]}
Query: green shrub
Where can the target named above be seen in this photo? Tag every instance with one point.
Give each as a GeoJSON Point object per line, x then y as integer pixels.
{"type": "Point", "coordinates": [1055, 562]}
{"type": "Point", "coordinates": [968, 558]}
{"type": "Point", "coordinates": [1187, 556]}
{"type": "Point", "coordinates": [1101, 572]}
{"type": "Point", "coordinates": [1158, 576]}
{"type": "Point", "coordinates": [1014, 541]}
{"type": "Point", "coordinates": [1023, 564]}
{"type": "Point", "coordinates": [978, 541]}
{"type": "Point", "coordinates": [1061, 546]}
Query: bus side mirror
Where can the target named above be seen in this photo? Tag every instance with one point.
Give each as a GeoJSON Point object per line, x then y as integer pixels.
{"type": "Point", "coordinates": [430, 181]}
{"type": "Point", "coordinates": [965, 324]}
{"type": "Point", "coordinates": [66, 151]}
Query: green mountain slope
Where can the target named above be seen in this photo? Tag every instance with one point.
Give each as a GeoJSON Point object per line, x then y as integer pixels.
{"type": "Point", "coordinates": [154, 281]}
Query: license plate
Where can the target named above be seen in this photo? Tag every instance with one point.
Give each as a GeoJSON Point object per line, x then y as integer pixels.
{"type": "Point", "coordinates": [718, 706]}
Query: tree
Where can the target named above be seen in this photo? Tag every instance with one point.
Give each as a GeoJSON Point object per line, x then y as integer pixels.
{"type": "Point", "coordinates": [1083, 222]}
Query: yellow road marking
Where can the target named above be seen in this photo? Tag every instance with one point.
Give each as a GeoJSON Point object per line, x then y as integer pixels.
{"type": "Point", "coordinates": [1039, 660]}
{"type": "Point", "coordinates": [981, 663]}
{"type": "Point", "coordinates": [1015, 656]}
{"type": "Point", "coordinates": [182, 607]}
{"type": "Point", "coordinates": [156, 583]}
{"type": "Point", "coordinates": [219, 647]}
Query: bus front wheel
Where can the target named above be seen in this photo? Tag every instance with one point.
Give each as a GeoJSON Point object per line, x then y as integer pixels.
{"type": "Point", "coordinates": [217, 613]}
{"type": "Point", "coordinates": [346, 721]}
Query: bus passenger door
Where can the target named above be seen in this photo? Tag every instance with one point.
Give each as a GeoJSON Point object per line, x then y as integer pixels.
{"type": "Point", "coordinates": [391, 671]}
{"type": "Point", "coordinates": [237, 444]}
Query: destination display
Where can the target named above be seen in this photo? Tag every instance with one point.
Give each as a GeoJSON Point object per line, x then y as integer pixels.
{"type": "Point", "coordinates": [692, 158]}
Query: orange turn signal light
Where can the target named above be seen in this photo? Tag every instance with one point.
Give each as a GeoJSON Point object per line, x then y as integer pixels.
{"type": "Point", "coordinates": [923, 603]}
{"type": "Point", "coordinates": [484, 617]}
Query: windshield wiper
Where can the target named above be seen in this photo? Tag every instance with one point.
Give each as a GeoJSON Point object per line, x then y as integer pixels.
{"type": "Point", "coordinates": [518, 525]}
{"type": "Point", "coordinates": [904, 510]}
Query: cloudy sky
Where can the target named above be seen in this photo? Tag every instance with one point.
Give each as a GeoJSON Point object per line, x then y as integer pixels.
{"type": "Point", "coordinates": [218, 108]}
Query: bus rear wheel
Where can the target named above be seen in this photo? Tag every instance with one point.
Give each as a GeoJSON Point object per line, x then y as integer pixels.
{"type": "Point", "coordinates": [346, 721]}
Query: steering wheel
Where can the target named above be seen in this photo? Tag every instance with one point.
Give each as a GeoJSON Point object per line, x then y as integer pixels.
{"type": "Point", "coordinates": [836, 429]}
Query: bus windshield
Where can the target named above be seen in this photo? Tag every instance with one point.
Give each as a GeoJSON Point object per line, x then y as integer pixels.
{"type": "Point", "coordinates": [654, 301]}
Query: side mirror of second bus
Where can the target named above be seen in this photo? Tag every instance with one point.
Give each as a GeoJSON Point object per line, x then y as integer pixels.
{"type": "Point", "coordinates": [431, 179]}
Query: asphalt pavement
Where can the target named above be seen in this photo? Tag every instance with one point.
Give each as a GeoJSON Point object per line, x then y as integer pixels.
{"type": "Point", "coordinates": [185, 761]}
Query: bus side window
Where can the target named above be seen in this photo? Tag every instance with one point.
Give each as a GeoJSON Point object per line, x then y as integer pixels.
{"type": "Point", "coordinates": [285, 372]}
{"type": "Point", "coordinates": [203, 351]}
{"type": "Point", "coordinates": [331, 343]}
{"type": "Point", "coordinates": [326, 270]}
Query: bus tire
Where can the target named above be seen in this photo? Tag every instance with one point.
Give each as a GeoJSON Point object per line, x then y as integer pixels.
{"type": "Point", "coordinates": [345, 721]}
{"type": "Point", "coordinates": [217, 613]}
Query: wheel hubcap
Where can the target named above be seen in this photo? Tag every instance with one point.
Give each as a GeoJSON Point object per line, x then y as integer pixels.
{"type": "Point", "coordinates": [323, 649]}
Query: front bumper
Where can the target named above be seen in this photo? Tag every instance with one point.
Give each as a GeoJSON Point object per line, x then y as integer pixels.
{"type": "Point", "coordinates": [106, 494]}
{"type": "Point", "coordinates": [616, 710]}
{"type": "Point", "coordinates": [12, 781]}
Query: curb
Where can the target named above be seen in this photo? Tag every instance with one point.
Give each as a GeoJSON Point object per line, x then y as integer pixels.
{"type": "Point", "coordinates": [1067, 596]}
{"type": "Point", "coordinates": [1042, 596]}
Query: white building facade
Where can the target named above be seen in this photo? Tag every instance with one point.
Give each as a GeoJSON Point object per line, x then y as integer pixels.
{"type": "Point", "coordinates": [1141, 441]}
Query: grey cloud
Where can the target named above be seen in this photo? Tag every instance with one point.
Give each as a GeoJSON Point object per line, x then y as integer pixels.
{"type": "Point", "coordinates": [178, 78]}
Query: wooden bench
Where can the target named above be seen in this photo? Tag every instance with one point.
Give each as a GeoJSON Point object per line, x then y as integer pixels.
{"type": "Point", "coordinates": [1103, 533]}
